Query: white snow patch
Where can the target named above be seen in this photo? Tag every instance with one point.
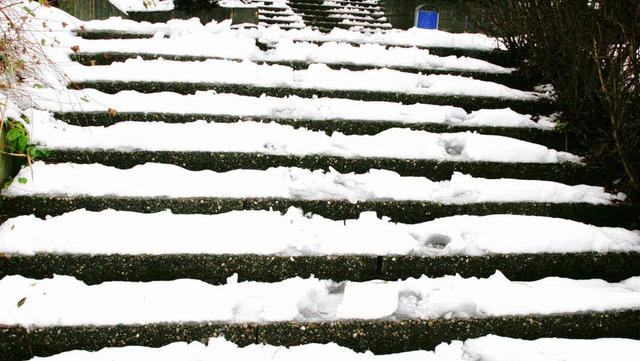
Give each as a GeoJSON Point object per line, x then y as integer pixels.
{"type": "Point", "coordinates": [317, 76]}
{"type": "Point", "coordinates": [273, 138]}
{"type": "Point", "coordinates": [237, 46]}
{"type": "Point", "coordinates": [291, 107]}
{"type": "Point", "coordinates": [294, 234]}
{"type": "Point", "coordinates": [65, 301]}
{"type": "Point", "coordinates": [161, 180]}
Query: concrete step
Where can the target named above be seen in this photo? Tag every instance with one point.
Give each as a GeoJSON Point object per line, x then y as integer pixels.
{"type": "Point", "coordinates": [217, 268]}
{"type": "Point", "coordinates": [512, 80]}
{"type": "Point", "coordinates": [398, 211]}
{"type": "Point", "coordinates": [277, 20]}
{"type": "Point", "coordinates": [272, 9]}
{"type": "Point", "coordinates": [64, 187]}
{"type": "Point", "coordinates": [497, 57]}
{"type": "Point", "coordinates": [331, 23]}
{"type": "Point", "coordinates": [548, 138]}
{"type": "Point", "coordinates": [468, 103]}
{"type": "Point", "coordinates": [340, 11]}
{"type": "Point", "coordinates": [364, 3]}
{"type": "Point", "coordinates": [360, 18]}
{"type": "Point", "coordinates": [126, 246]}
{"type": "Point", "coordinates": [313, 5]}
{"type": "Point", "coordinates": [433, 169]}
{"type": "Point", "coordinates": [263, 309]}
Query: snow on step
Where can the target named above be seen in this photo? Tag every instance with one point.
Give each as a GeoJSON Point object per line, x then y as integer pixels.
{"type": "Point", "coordinates": [295, 234]}
{"type": "Point", "coordinates": [240, 47]}
{"type": "Point", "coordinates": [65, 301]}
{"type": "Point", "coordinates": [162, 180]}
{"type": "Point", "coordinates": [378, 55]}
{"type": "Point", "coordinates": [273, 138]}
{"type": "Point", "coordinates": [411, 37]}
{"type": "Point", "coordinates": [368, 24]}
{"type": "Point", "coordinates": [317, 76]}
{"type": "Point", "coordinates": [291, 107]}
{"type": "Point", "coordinates": [487, 348]}
{"type": "Point", "coordinates": [273, 34]}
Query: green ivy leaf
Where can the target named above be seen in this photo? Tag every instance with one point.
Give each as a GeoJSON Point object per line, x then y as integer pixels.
{"type": "Point", "coordinates": [22, 144]}
{"type": "Point", "coordinates": [21, 302]}
{"type": "Point", "coordinates": [38, 86]}
{"type": "Point", "coordinates": [14, 133]}
{"type": "Point", "coordinates": [7, 183]}
{"type": "Point", "coordinates": [22, 180]}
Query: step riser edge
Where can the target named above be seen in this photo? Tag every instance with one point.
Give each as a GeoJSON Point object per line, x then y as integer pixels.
{"type": "Point", "coordinates": [215, 269]}
{"type": "Point", "coordinates": [468, 103]}
{"type": "Point", "coordinates": [380, 337]}
{"type": "Point", "coordinates": [398, 211]}
{"type": "Point", "coordinates": [568, 173]}
{"type": "Point", "coordinates": [551, 139]}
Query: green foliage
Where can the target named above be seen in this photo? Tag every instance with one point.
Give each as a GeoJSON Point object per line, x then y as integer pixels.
{"type": "Point", "coordinates": [16, 142]}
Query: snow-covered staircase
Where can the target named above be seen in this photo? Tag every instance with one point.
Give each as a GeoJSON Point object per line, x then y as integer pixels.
{"type": "Point", "coordinates": [374, 203]}
{"type": "Point", "coordinates": [364, 15]}
{"type": "Point", "coordinates": [277, 13]}
{"type": "Point", "coordinates": [357, 15]}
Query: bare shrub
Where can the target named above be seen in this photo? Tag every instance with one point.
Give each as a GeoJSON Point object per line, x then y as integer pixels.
{"type": "Point", "coordinates": [588, 50]}
{"type": "Point", "coordinates": [21, 58]}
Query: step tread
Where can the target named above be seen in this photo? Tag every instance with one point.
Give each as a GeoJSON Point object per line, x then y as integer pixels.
{"type": "Point", "coordinates": [159, 180]}
{"type": "Point", "coordinates": [620, 215]}
{"type": "Point", "coordinates": [542, 106]}
{"type": "Point", "coordinates": [55, 302]}
{"type": "Point", "coordinates": [380, 337]}
{"type": "Point", "coordinates": [295, 234]}
{"type": "Point", "coordinates": [510, 79]}
{"type": "Point", "coordinates": [518, 127]}
{"type": "Point", "coordinates": [284, 140]}
{"type": "Point", "coordinates": [568, 173]}
{"type": "Point", "coordinates": [279, 19]}
{"type": "Point", "coordinates": [317, 76]}
{"type": "Point", "coordinates": [448, 44]}
{"type": "Point", "coordinates": [347, 24]}
{"type": "Point", "coordinates": [328, 52]}
{"type": "Point", "coordinates": [127, 246]}
{"type": "Point", "coordinates": [409, 38]}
